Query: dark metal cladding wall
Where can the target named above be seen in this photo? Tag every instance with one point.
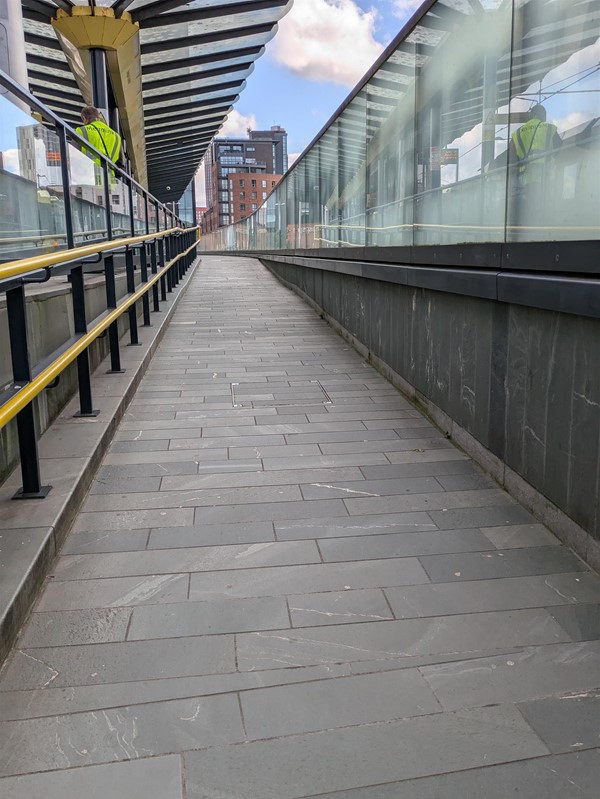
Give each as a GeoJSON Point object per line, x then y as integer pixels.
{"type": "Point", "coordinates": [524, 382]}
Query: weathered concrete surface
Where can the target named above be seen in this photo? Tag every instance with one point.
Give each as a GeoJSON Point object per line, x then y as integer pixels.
{"type": "Point", "coordinates": [286, 583]}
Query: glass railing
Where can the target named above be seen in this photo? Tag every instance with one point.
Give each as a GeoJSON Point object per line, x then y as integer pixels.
{"type": "Point", "coordinates": [55, 192]}
{"type": "Point", "coordinates": [480, 123]}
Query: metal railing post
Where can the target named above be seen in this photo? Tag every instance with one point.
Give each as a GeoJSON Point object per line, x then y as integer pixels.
{"type": "Point", "coordinates": [19, 353]}
{"type": "Point", "coordinates": [167, 240]}
{"type": "Point", "coordinates": [132, 312]}
{"type": "Point", "coordinates": [86, 408]}
{"type": "Point", "coordinates": [144, 275]}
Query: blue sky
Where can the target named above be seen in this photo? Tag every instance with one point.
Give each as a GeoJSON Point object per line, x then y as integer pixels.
{"type": "Point", "coordinates": [320, 52]}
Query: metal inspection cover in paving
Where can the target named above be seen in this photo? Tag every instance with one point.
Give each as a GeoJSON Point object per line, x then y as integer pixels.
{"type": "Point", "coordinates": [286, 583]}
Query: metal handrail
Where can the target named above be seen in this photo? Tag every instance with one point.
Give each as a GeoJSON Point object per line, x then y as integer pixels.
{"type": "Point", "coordinates": [27, 393]}
{"type": "Point", "coordinates": [37, 262]}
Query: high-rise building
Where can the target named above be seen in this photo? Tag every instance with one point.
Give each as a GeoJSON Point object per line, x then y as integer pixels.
{"type": "Point", "coordinates": [261, 157]}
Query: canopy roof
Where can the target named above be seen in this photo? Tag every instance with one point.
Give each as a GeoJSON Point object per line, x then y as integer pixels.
{"type": "Point", "coordinates": [195, 58]}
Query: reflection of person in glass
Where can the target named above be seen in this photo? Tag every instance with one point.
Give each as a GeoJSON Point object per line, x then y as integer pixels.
{"type": "Point", "coordinates": [533, 176]}
{"type": "Point", "coordinates": [529, 142]}
{"type": "Point", "coordinates": [100, 136]}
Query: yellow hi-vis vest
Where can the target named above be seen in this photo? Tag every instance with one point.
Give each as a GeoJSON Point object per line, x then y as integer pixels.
{"type": "Point", "coordinates": [530, 140]}
{"type": "Point", "coordinates": [103, 138]}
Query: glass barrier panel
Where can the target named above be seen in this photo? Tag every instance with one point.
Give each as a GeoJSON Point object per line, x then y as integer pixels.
{"type": "Point", "coordinates": [460, 139]}
{"type": "Point", "coordinates": [390, 176]}
{"type": "Point", "coordinates": [32, 214]}
{"type": "Point", "coordinates": [88, 209]}
{"type": "Point", "coordinates": [120, 206]}
{"type": "Point", "coordinates": [352, 156]}
{"type": "Point", "coordinates": [554, 149]}
{"type": "Point", "coordinates": [139, 212]}
{"type": "Point", "coordinates": [327, 229]}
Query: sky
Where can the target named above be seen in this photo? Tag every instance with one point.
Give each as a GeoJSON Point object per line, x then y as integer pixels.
{"type": "Point", "coordinates": [320, 52]}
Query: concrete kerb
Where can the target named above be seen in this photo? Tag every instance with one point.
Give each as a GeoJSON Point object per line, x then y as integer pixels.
{"type": "Point", "coordinates": [33, 531]}
{"type": "Point", "coordinates": [563, 527]}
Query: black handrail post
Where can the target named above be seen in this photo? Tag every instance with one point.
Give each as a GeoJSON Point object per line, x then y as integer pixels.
{"type": "Point", "coordinates": [132, 312]}
{"type": "Point", "coordinates": [66, 185]}
{"type": "Point", "coordinates": [161, 263]}
{"type": "Point", "coordinates": [131, 216]}
{"type": "Point", "coordinates": [144, 274]}
{"type": "Point", "coordinates": [86, 408]}
{"type": "Point", "coordinates": [168, 257]}
{"type": "Point", "coordinates": [19, 353]}
{"type": "Point", "coordinates": [109, 279]}
{"type": "Point", "coordinates": [154, 270]}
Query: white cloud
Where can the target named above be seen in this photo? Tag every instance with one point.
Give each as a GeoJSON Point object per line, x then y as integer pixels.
{"type": "Point", "coordinates": [236, 125]}
{"type": "Point", "coordinates": [327, 40]}
{"type": "Point", "coordinates": [405, 8]}
{"type": "Point", "coordinates": [292, 158]}
{"type": "Point", "coordinates": [10, 161]}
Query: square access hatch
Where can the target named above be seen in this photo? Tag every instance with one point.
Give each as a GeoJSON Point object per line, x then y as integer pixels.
{"type": "Point", "coordinates": [310, 392]}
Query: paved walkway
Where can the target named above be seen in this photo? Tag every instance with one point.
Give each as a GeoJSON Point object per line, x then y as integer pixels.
{"type": "Point", "coordinates": [285, 583]}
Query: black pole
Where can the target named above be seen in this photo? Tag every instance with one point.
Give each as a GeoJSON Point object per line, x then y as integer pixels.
{"type": "Point", "coordinates": [133, 329]}
{"type": "Point", "coordinates": [19, 353]}
{"type": "Point", "coordinates": [144, 274]}
{"type": "Point", "coordinates": [86, 408]}
{"type": "Point", "coordinates": [66, 184]}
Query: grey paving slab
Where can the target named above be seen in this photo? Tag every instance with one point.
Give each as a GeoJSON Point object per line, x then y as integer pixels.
{"type": "Point", "coordinates": [520, 535]}
{"type": "Point", "coordinates": [199, 497]}
{"type": "Point", "coordinates": [422, 455]}
{"type": "Point", "coordinates": [373, 488]}
{"type": "Point", "coordinates": [146, 778]}
{"type": "Point", "coordinates": [323, 705]}
{"type": "Point", "coordinates": [348, 435]}
{"type": "Point", "coordinates": [265, 451]}
{"type": "Point", "coordinates": [567, 723]}
{"type": "Point", "coordinates": [439, 504]}
{"type": "Point", "coordinates": [125, 734]}
{"type": "Point", "coordinates": [111, 474]}
{"type": "Point", "coordinates": [122, 485]}
{"type": "Point", "coordinates": [205, 534]}
{"type": "Point", "coordinates": [211, 456]}
{"type": "Point", "coordinates": [397, 639]}
{"type": "Point", "coordinates": [361, 756]}
{"type": "Point", "coordinates": [177, 620]}
{"type": "Point", "coordinates": [115, 592]}
{"type": "Point", "coordinates": [507, 563]}
{"type": "Point", "coordinates": [269, 511]}
{"type": "Point", "coordinates": [353, 525]}
{"type": "Point", "coordinates": [64, 628]}
{"type": "Point", "coordinates": [50, 701]}
{"type": "Point", "coordinates": [103, 541]}
{"type": "Point", "coordinates": [153, 445]}
{"type": "Point", "coordinates": [402, 545]}
{"type": "Point", "coordinates": [440, 599]}
{"type": "Point", "coordinates": [278, 581]}
{"type": "Point", "coordinates": [324, 461]}
{"type": "Point", "coordinates": [93, 664]}
{"type": "Point", "coordinates": [133, 519]}
{"type": "Point", "coordinates": [338, 607]}
{"type": "Point", "coordinates": [582, 622]}
{"type": "Point", "coordinates": [391, 444]}
{"type": "Point", "coordinates": [284, 477]}
{"type": "Point", "coordinates": [481, 516]}
{"type": "Point", "coordinates": [216, 558]}
{"type": "Point", "coordinates": [531, 674]}
{"type": "Point", "coordinates": [573, 776]}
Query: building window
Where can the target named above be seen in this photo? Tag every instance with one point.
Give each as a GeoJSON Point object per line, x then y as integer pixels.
{"type": "Point", "coordinates": [242, 195]}
{"type": "Point", "coordinates": [100, 199]}
{"type": "Point", "coordinates": [116, 199]}
{"type": "Point", "coordinates": [272, 184]}
{"type": "Point", "coordinates": [251, 149]}
{"type": "Point", "coordinates": [242, 183]}
{"type": "Point", "coordinates": [254, 195]}
{"type": "Point", "coordinates": [253, 184]}
{"type": "Point", "coordinates": [264, 184]}
{"type": "Point", "coordinates": [242, 206]}
{"type": "Point", "coordinates": [264, 195]}
{"type": "Point", "coordinates": [254, 206]}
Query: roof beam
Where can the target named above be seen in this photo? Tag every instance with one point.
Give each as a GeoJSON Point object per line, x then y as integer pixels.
{"type": "Point", "coordinates": [194, 61]}
{"type": "Point", "coordinates": [164, 97]}
{"type": "Point", "coordinates": [170, 122]}
{"type": "Point", "coordinates": [36, 74]}
{"type": "Point", "coordinates": [186, 107]}
{"type": "Point", "coordinates": [41, 61]}
{"type": "Point", "coordinates": [154, 19]}
{"type": "Point", "coordinates": [42, 41]}
{"type": "Point", "coordinates": [196, 123]}
{"type": "Point", "coordinates": [188, 77]}
{"type": "Point", "coordinates": [205, 38]}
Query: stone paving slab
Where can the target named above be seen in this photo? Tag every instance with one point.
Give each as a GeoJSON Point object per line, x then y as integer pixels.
{"type": "Point", "coordinates": [296, 598]}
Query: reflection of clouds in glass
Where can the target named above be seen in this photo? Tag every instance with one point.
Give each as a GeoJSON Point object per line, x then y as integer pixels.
{"type": "Point", "coordinates": [81, 168]}
{"type": "Point", "coordinates": [10, 161]}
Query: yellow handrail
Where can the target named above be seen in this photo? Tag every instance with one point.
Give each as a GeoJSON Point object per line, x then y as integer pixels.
{"type": "Point", "coordinates": [24, 265]}
{"type": "Point", "coordinates": [25, 395]}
